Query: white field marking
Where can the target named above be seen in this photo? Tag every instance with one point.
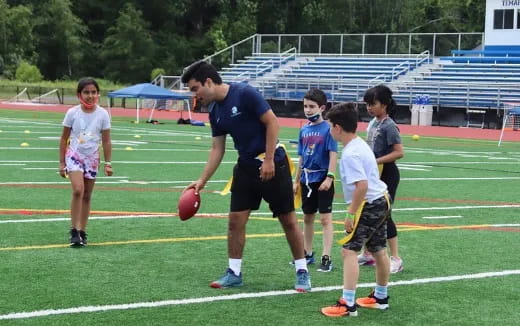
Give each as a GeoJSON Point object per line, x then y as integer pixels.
{"type": "Point", "coordinates": [39, 169]}
{"type": "Point", "coordinates": [127, 162]}
{"type": "Point", "coordinates": [468, 179]}
{"type": "Point", "coordinates": [11, 121]}
{"type": "Point", "coordinates": [241, 296]}
{"type": "Point", "coordinates": [128, 142]}
{"type": "Point", "coordinates": [442, 217]}
{"type": "Point", "coordinates": [421, 164]}
{"type": "Point", "coordinates": [60, 219]}
{"type": "Point", "coordinates": [55, 183]}
{"type": "Point", "coordinates": [413, 169]}
{"type": "Point", "coordinates": [123, 181]}
{"type": "Point", "coordinates": [12, 164]}
{"type": "Point", "coordinates": [115, 148]}
{"type": "Point", "coordinates": [436, 208]}
{"type": "Point", "coordinates": [461, 163]}
{"type": "Point", "coordinates": [414, 165]}
{"type": "Point", "coordinates": [452, 207]}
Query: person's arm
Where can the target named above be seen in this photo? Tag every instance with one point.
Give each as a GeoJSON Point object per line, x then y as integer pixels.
{"type": "Point", "coordinates": [106, 141]}
{"type": "Point", "coordinates": [218, 148]}
{"type": "Point", "coordinates": [396, 153]}
{"type": "Point", "coordinates": [357, 199]}
{"type": "Point", "coordinates": [329, 180]}
{"type": "Point", "coordinates": [65, 134]}
{"type": "Point", "coordinates": [271, 137]}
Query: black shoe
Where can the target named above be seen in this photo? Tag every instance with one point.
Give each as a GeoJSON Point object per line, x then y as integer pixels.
{"type": "Point", "coordinates": [75, 239]}
{"type": "Point", "coordinates": [83, 237]}
{"type": "Point", "coordinates": [326, 264]}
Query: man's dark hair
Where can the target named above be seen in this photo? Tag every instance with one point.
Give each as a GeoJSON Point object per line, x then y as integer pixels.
{"type": "Point", "coordinates": [383, 94]}
{"type": "Point", "coordinates": [345, 115]}
{"type": "Point", "coordinates": [84, 82]}
{"type": "Point", "coordinates": [200, 71]}
{"type": "Point", "coordinates": [316, 95]}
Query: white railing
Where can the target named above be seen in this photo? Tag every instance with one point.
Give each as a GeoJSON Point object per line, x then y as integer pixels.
{"type": "Point", "coordinates": [399, 69]}
{"type": "Point", "coordinates": [421, 57]}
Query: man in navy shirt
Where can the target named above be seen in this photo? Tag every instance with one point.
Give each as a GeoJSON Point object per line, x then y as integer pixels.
{"type": "Point", "coordinates": [262, 170]}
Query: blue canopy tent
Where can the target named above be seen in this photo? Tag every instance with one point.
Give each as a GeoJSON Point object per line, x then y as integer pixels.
{"type": "Point", "coordinates": [150, 91]}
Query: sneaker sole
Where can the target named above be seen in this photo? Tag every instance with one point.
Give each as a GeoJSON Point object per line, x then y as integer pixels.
{"type": "Point", "coordinates": [301, 290]}
{"type": "Point", "coordinates": [350, 314]}
{"type": "Point", "coordinates": [377, 306]}
{"type": "Point", "coordinates": [324, 270]}
{"type": "Point", "coordinates": [218, 286]}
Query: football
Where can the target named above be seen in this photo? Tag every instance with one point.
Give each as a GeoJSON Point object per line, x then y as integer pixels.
{"type": "Point", "coordinates": [188, 205]}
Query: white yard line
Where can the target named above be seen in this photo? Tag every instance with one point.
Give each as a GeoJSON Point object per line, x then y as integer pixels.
{"type": "Point", "coordinates": [242, 296]}
{"type": "Point", "coordinates": [441, 217]}
{"type": "Point", "coordinates": [118, 217]}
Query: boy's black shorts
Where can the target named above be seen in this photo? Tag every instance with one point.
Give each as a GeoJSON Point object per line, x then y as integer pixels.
{"type": "Point", "coordinates": [319, 200]}
{"type": "Point", "coordinates": [248, 190]}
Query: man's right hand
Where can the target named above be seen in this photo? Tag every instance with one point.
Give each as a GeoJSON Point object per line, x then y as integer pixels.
{"type": "Point", "coordinates": [197, 185]}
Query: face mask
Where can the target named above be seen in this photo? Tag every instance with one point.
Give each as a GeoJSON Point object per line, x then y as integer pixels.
{"type": "Point", "coordinates": [87, 105]}
{"type": "Point", "coordinates": [314, 118]}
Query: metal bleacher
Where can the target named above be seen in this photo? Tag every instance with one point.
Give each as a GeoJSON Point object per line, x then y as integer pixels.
{"type": "Point", "coordinates": [342, 77]}
{"type": "Point", "coordinates": [473, 80]}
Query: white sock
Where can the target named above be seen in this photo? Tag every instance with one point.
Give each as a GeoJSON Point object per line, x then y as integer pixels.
{"type": "Point", "coordinates": [235, 265]}
{"type": "Point", "coordinates": [300, 264]}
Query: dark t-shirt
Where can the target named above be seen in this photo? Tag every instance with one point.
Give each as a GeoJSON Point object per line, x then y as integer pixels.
{"type": "Point", "coordinates": [382, 136]}
{"type": "Point", "coordinates": [239, 115]}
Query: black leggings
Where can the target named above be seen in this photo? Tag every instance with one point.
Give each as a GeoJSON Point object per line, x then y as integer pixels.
{"type": "Point", "coordinates": [391, 177]}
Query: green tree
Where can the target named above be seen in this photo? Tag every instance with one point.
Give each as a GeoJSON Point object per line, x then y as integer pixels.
{"type": "Point", "coordinates": [16, 37]}
{"type": "Point", "coordinates": [128, 50]}
{"type": "Point", "coordinates": [60, 39]}
{"type": "Point", "coordinates": [28, 73]}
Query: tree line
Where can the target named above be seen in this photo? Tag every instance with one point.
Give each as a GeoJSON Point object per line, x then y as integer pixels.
{"type": "Point", "coordinates": [124, 40]}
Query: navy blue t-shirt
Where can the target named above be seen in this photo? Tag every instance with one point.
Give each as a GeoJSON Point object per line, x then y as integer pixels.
{"type": "Point", "coordinates": [239, 115]}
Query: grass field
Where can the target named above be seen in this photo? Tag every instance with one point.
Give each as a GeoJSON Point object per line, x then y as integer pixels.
{"type": "Point", "coordinates": [457, 212]}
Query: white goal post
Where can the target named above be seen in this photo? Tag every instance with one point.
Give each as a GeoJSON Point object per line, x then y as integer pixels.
{"type": "Point", "coordinates": [511, 120]}
{"type": "Point", "coordinates": [51, 97]}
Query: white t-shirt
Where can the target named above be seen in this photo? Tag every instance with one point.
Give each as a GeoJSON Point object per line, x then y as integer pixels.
{"type": "Point", "coordinates": [358, 163]}
{"type": "Point", "coordinates": [86, 128]}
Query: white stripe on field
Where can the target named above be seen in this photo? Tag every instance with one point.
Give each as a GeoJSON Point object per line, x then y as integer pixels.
{"type": "Point", "coordinates": [124, 181]}
{"type": "Point", "coordinates": [452, 207]}
{"type": "Point", "coordinates": [240, 296]}
{"type": "Point", "coordinates": [446, 179]}
{"type": "Point", "coordinates": [442, 217]}
{"type": "Point", "coordinates": [59, 219]}
{"type": "Point", "coordinates": [413, 169]}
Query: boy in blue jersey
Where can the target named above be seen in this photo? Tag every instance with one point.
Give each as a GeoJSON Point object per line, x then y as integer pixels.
{"type": "Point", "coordinates": [315, 175]}
{"type": "Point", "coordinates": [367, 212]}
{"type": "Point", "coordinates": [262, 170]}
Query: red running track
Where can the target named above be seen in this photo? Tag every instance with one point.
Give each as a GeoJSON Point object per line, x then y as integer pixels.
{"type": "Point", "coordinates": [432, 131]}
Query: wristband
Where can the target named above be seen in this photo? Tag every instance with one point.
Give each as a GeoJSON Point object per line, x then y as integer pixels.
{"type": "Point", "coordinates": [331, 175]}
{"type": "Point", "coordinates": [108, 163]}
{"type": "Point", "coordinates": [350, 215]}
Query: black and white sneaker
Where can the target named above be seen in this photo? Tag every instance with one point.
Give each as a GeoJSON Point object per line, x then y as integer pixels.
{"type": "Point", "coordinates": [83, 237]}
{"type": "Point", "coordinates": [75, 238]}
{"type": "Point", "coordinates": [326, 264]}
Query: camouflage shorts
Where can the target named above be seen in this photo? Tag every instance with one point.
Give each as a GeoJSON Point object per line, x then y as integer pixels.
{"type": "Point", "coordinates": [371, 228]}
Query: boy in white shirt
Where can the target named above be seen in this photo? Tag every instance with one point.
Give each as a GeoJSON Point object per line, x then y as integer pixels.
{"type": "Point", "coordinates": [368, 208]}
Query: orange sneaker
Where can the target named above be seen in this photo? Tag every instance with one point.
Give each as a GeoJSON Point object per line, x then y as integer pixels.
{"type": "Point", "coordinates": [373, 303]}
{"type": "Point", "coordinates": [340, 309]}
